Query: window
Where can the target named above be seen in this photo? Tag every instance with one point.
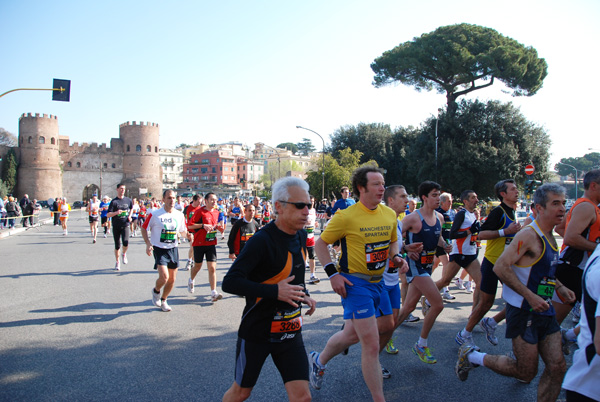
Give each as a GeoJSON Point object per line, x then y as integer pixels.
{"type": "Point", "coordinates": [214, 169]}
{"type": "Point", "coordinates": [155, 149]}
{"type": "Point", "coordinates": [52, 141]}
{"type": "Point", "coordinates": [69, 164]}
{"type": "Point", "coordinates": [138, 148]}
{"type": "Point", "coordinates": [30, 140]}
{"type": "Point", "coordinates": [79, 164]}
{"type": "Point", "coordinates": [113, 165]}
{"type": "Point", "coordinates": [204, 170]}
{"type": "Point", "coordinates": [42, 140]}
{"type": "Point", "coordinates": [105, 165]}
{"type": "Point", "coordinates": [128, 149]}
{"type": "Point", "coordinates": [205, 178]}
{"type": "Point", "coordinates": [148, 148]}
{"type": "Point", "coordinates": [221, 168]}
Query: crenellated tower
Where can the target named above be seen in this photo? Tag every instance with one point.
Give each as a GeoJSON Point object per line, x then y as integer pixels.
{"type": "Point", "coordinates": [39, 172]}
{"type": "Point", "coordinates": [141, 163]}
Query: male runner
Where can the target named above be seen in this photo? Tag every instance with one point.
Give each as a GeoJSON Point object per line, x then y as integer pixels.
{"type": "Point", "coordinates": [103, 215]}
{"type": "Point", "coordinates": [423, 227]}
{"type": "Point", "coordinates": [448, 213]}
{"type": "Point", "coordinates": [135, 214]}
{"type": "Point", "coordinates": [188, 213]}
{"type": "Point", "coordinates": [396, 198]}
{"type": "Point", "coordinates": [222, 215]}
{"type": "Point", "coordinates": [120, 210]}
{"type": "Point", "coordinates": [241, 232]}
{"type": "Point", "coordinates": [93, 209]}
{"type": "Point", "coordinates": [310, 227]}
{"type": "Point", "coordinates": [464, 243]}
{"type": "Point", "coordinates": [205, 222]}
{"type": "Point", "coordinates": [582, 379]}
{"type": "Point", "coordinates": [258, 209]}
{"type": "Point", "coordinates": [164, 224]}
{"type": "Point", "coordinates": [527, 268]}
{"type": "Point", "coordinates": [581, 236]}
{"type": "Point", "coordinates": [499, 230]}
{"type": "Point", "coordinates": [343, 202]}
{"type": "Point", "coordinates": [367, 232]}
{"type": "Point", "coordinates": [266, 215]}
{"type": "Point", "coordinates": [269, 272]}
{"type": "Point", "coordinates": [235, 210]}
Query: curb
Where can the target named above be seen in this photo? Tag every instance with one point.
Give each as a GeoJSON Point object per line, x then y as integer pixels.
{"type": "Point", "coordinates": [14, 232]}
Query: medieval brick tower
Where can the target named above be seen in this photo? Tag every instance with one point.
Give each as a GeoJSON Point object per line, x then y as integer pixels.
{"type": "Point", "coordinates": [141, 163]}
{"type": "Point", "coordinates": [39, 169]}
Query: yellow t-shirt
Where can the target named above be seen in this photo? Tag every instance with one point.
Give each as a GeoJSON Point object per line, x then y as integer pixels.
{"type": "Point", "coordinates": [365, 236]}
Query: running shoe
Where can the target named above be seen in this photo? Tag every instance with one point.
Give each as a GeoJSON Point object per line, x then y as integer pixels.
{"type": "Point", "coordinates": [94, 241]}
{"type": "Point", "coordinates": [105, 235]}
{"type": "Point", "coordinates": [108, 231]}
{"type": "Point", "coordinates": [125, 261]}
{"type": "Point", "coordinates": [316, 372]}
{"type": "Point", "coordinates": [117, 266]}
{"type": "Point", "coordinates": [314, 280]}
{"type": "Point", "coordinates": [463, 365]}
{"type": "Point", "coordinates": [390, 349]}
{"type": "Point", "coordinates": [460, 284]}
{"type": "Point", "coordinates": [424, 354]}
{"type": "Point", "coordinates": [191, 285]}
{"type": "Point", "coordinates": [385, 373]}
{"type": "Point", "coordinates": [469, 287]}
{"type": "Point", "coordinates": [156, 298]}
{"type": "Point", "coordinates": [461, 340]}
{"type": "Point", "coordinates": [447, 296]}
{"type": "Point", "coordinates": [165, 306]}
{"type": "Point", "coordinates": [216, 296]}
{"type": "Point", "coordinates": [490, 332]}
{"type": "Point", "coordinates": [425, 306]}
{"type": "Point", "coordinates": [411, 318]}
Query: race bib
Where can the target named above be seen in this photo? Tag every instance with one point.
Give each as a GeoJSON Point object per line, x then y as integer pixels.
{"type": "Point", "coordinates": [376, 255]}
{"type": "Point", "coordinates": [546, 287]}
{"type": "Point", "coordinates": [246, 236]}
{"type": "Point", "coordinates": [211, 236]}
{"type": "Point", "coordinates": [285, 325]}
{"type": "Point", "coordinates": [309, 229]}
{"type": "Point", "coordinates": [123, 213]}
{"type": "Point", "coordinates": [168, 236]}
{"type": "Point", "coordinates": [427, 259]}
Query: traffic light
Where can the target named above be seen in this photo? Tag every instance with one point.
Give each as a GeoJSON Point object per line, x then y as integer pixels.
{"type": "Point", "coordinates": [531, 186]}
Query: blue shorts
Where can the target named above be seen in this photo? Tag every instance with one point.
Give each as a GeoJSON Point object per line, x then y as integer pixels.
{"type": "Point", "coordinates": [363, 299]}
{"type": "Point", "coordinates": [390, 299]}
{"type": "Point", "coordinates": [416, 269]}
{"type": "Point", "coordinates": [489, 279]}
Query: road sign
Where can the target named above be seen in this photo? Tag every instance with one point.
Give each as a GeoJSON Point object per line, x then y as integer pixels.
{"type": "Point", "coordinates": [529, 169]}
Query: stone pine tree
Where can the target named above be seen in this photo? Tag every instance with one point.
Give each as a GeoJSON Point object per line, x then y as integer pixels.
{"type": "Point", "coordinates": [9, 171]}
{"type": "Point", "coordinates": [459, 59]}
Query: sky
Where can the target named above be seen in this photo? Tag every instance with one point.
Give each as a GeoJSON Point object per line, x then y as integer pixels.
{"type": "Point", "coordinates": [251, 71]}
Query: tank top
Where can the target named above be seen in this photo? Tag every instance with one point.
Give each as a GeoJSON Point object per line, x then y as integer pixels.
{"type": "Point", "coordinates": [579, 258]}
{"type": "Point", "coordinates": [429, 235]}
{"type": "Point", "coordinates": [495, 247]}
{"type": "Point", "coordinates": [538, 277]}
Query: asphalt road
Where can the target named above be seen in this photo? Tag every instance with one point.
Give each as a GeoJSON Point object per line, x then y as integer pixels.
{"type": "Point", "coordinates": [73, 329]}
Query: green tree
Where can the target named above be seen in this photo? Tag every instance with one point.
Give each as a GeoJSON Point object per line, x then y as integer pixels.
{"type": "Point", "coordinates": [582, 164]}
{"type": "Point", "coordinates": [305, 147]}
{"type": "Point", "coordinates": [482, 144]}
{"type": "Point", "coordinates": [459, 59]}
{"type": "Point", "coordinates": [9, 170]}
{"type": "Point", "coordinates": [7, 138]}
{"type": "Point", "coordinates": [338, 172]}
{"type": "Point", "coordinates": [275, 170]}
{"type": "Point", "coordinates": [3, 190]}
{"type": "Point", "coordinates": [289, 145]}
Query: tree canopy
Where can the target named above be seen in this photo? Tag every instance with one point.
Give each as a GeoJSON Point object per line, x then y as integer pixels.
{"type": "Point", "coordinates": [7, 138]}
{"type": "Point", "coordinates": [305, 147]}
{"type": "Point", "coordinates": [583, 163]}
{"type": "Point", "coordinates": [482, 144]}
{"type": "Point", "coordinates": [458, 59]}
{"type": "Point", "coordinates": [289, 145]}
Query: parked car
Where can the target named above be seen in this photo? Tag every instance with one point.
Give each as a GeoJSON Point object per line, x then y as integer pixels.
{"type": "Point", "coordinates": [44, 204]}
{"type": "Point", "coordinates": [78, 204]}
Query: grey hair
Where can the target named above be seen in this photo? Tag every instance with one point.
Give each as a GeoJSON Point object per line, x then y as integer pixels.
{"type": "Point", "coordinates": [281, 187]}
{"type": "Point", "coordinates": [542, 193]}
{"type": "Point", "coordinates": [445, 197]}
{"type": "Point", "coordinates": [593, 176]}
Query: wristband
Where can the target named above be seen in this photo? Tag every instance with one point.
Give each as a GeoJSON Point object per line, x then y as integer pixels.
{"type": "Point", "coordinates": [501, 233]}
{"type": "Point", "coordinates": [330, 269]}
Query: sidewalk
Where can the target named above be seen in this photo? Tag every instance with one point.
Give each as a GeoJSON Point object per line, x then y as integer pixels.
{"type": "Point", "coordinates": [44, 218]}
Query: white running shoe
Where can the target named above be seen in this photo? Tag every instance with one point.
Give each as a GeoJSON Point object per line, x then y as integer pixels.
{"type": "Point", "coordinates": [165, 306]}
{"type": "Point", "coordinates": [156, 298]}
{"type": "Point", "coordinates": [105, 235]}
{"type": "Point", "coordinates": [447, 296]}
{"type": "Point", "coordinates": [117, 266]}
{"type": "Point", "coordinates": [190, 285]}
{"type": "Point", "coordinates": [216, 296]}
{"type": "Point", "coordinates": [469, 287]}
{"type": "Point", "coordinates": [460, 284]}
{"type": "Point", "coordinates": [125, 258]}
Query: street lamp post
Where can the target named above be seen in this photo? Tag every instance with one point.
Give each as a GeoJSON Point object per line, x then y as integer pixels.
{"type": "Point", "coordinates": [437, 119]}
{"type": "Point", "coordinates": [576, 175]}
{"type": "Point", "coordinates": [323, 173]}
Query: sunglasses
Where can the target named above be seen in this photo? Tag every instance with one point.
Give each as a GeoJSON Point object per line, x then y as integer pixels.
{"type": "Point", "coordinates": [298, 205]}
